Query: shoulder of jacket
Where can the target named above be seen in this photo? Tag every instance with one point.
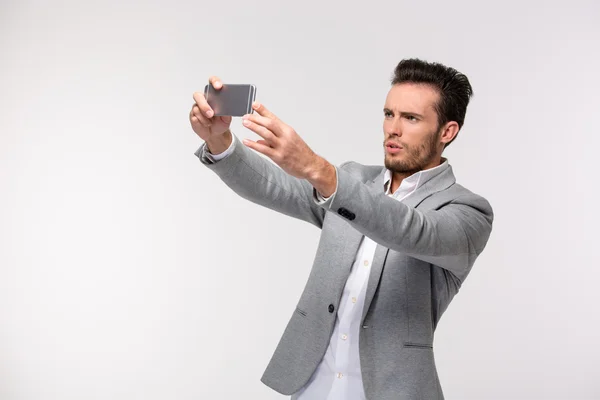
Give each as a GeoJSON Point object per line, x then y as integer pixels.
{"type": "Point", "coordinates": [458, 194]}
{"type": "Point", "coordinates": [364, 171]}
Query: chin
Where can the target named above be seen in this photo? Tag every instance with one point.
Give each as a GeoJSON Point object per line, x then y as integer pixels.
{"type": "Point", "coordinates": [388, 159]}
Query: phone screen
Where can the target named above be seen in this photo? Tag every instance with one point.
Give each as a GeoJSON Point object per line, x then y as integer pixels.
{"type": "Point", "coordinates": [232, 99]}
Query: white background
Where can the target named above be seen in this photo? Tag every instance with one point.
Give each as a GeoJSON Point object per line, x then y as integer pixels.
{"type": "Point", "coordinates": [130, 271]}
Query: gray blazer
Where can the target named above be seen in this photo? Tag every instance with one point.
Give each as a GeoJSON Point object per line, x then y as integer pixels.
{"type": "Point", "coordinates": [427, 245]}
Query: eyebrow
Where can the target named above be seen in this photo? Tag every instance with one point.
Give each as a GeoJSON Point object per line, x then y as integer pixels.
{"type": "Point", "coordinates": [404, 113]}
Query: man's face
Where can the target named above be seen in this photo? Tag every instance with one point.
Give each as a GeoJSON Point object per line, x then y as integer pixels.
{"type": "Point", "coordinates": [411, 123]}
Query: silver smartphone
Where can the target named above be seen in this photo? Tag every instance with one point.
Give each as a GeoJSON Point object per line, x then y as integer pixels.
{"type": "Point", "coordinates": [232, 99]}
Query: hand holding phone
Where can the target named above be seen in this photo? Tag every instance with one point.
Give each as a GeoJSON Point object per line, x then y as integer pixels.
{"type": "Point", "coordinates": [234, 100]}
{"type": "Point", "coordinates": [209, 127]}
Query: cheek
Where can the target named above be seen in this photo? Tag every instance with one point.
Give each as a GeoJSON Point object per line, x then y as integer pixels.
{"type": "Point", "coordinates": [415, 133]}
{"type": "Point", "coordinates": [386, 125]}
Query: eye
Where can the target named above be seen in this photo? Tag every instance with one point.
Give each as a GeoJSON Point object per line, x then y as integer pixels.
{"type": "Point", "coordinates": [411, 118]}
{"type": "Point", "coordinates": [387, 113]}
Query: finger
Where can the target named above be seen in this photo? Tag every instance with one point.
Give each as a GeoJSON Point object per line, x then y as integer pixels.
{"type": "Point", "coordinates": [203, 104]}
{"type": "Point", "coordinates": [216, 82]}
{"type": "Point", "coordinates": [195, 113]}
{"type": "Point", "coordinates": [262, 110]}
{"type": "Point", "coordinates": [199, 121]}
{"type": "Point", "coordinates": [196, 116]}
{"type": "Point", "coordinates": [225, 119]}
{"type": "Point", "coordinates": [274, 125]}
{"type": "Point", "coordinates": [260, 147]}
{"type": "Point", "coordinates": [261, 131]}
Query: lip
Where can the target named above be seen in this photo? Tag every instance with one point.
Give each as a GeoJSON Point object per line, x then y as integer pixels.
{"type": "Point", "coordinates": [389, 143]}
{"type": "Point", "coordinates": [392, 150]}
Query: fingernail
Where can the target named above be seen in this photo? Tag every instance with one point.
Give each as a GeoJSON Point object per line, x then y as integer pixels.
{"type": "Point", "coordinates": [246, 122]}
{"type": "Point", "coordinates": [256, 105]}
{"type": "Point", "coordinates": [209, 113]}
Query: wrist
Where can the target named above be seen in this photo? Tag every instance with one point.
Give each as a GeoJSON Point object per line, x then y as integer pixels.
{"type": "Point", "coordinates": [217, 144]}
{"type": "Point", "coordinates": [318, 169]}
{"type": "Point", "coordinates": [322, 176]}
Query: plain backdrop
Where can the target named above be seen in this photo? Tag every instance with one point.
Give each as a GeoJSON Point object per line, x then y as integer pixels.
{"type": "Point", "coordinates": [128, 270]}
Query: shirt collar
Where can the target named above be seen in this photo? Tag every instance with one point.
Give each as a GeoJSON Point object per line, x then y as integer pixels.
{"type": "Point", "coordinates": [417, 179]}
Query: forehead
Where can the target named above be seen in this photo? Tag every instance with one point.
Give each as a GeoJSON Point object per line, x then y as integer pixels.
{"type": "Point", "coordinates": [412, 97]}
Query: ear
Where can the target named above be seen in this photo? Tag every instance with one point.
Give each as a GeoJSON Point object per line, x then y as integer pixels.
{"type": "Point", "coordinates": [449, 132]}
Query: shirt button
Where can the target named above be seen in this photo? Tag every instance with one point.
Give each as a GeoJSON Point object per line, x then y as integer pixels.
{"type": "Point", "coordinates": [366, 263]}
{"type": "Point", "coordinates": [340, 375]}
{"type": "Point", "coordinates": [344, 336]}
{"type": "Point", "coordinates": [331, 308]}
{"type": "Point", "coordinates": [354, 299]}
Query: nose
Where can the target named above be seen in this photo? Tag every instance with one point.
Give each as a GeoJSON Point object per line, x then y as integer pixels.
{"type": "Point", "coordinates": [392, 128]}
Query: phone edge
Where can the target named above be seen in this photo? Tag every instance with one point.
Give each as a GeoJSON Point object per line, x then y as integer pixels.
{"type": "Point", "coordinates": [251, 98]}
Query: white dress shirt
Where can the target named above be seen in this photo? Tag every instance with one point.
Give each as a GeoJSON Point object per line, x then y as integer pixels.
{"type": "Point", "coordinates": [338, 376]}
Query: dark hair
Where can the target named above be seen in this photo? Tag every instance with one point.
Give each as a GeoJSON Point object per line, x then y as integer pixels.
{"type": "Point", "coordinates": [454, 88]}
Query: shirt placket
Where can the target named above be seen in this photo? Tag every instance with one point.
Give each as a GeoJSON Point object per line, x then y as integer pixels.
{"type": "Point", "coordinates": [347, 329]}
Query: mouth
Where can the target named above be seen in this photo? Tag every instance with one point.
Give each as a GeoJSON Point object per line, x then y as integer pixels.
{"type": "Point", "coordinates": [392, 147]}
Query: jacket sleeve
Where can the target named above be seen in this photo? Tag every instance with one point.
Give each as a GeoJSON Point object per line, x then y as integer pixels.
{"type": "Point", "coordinates": [451, 237]}
{"type": "Point", "coordinates": [260, 181]}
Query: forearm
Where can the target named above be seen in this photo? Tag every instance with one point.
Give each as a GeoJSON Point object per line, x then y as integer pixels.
{"type": "Point", "coordinates": [260, 181]}
{"type": "Point", "coordinates": [451, 237]}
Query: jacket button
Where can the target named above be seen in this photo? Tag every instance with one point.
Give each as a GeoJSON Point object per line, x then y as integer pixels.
{"type": "Point", "coordinates": [331, 308]}
{"type": "Point", "coordinates": [344, 212]}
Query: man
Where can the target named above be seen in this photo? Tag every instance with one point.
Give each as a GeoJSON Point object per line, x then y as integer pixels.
{"type": "Point", "coordinates": [396, 243]}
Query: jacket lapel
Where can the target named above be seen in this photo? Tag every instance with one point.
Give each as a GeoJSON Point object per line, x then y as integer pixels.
{"type": "Point", "coordinates": [351, 239]}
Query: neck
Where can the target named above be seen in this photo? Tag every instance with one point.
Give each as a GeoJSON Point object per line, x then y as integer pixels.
{"type": "Point", "coordinates": [398, 177]}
